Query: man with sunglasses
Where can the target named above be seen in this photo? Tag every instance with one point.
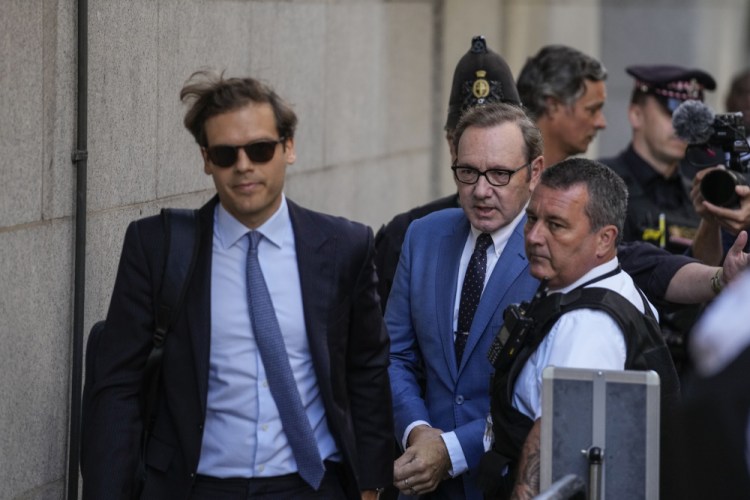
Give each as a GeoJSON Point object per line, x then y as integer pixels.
{"type": "Point", "coordinates": [660, 209]}
{"type": "Point", "coordinates": [459, 269]}
{"type": "Point", "coordinates": [274, 380]}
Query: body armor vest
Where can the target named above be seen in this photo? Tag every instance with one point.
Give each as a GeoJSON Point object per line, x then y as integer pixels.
{"type": "Point", "coordinates": [645, 351]}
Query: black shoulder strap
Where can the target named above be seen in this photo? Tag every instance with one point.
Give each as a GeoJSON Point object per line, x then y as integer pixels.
{"type": "Point", "coordinates": [181, 240]}
{"type": "Point", "coordinates": [605, 300]}
{"type": "Point", "coordinates": [553, 306]}
{"type": "Point", "coordinates": [181, 243]}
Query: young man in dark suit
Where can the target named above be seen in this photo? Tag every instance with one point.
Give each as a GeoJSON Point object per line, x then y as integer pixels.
{"type": "Point", "coordinates": [275, 376]}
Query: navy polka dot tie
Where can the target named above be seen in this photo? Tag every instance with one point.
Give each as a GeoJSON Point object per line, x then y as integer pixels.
{"type": "Point", "coordinates": [296, 425]}
{"type": "Point", "coordinates": [471, 292]}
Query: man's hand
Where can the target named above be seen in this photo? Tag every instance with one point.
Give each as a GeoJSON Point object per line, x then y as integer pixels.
{"type": "Point", "coordinates": [736, 259]}
{"type": "Point", "coordinates": [733, 220]}
{"type": "Point", "coordinates": [369, 495]}
{"type": "Point", "coordinates": [424, 463]}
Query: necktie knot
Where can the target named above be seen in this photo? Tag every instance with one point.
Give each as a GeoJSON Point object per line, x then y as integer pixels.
{"type": "Point", "coordinates": [254, 237]}
{"type": "Point", "coordinates": [483, 242]}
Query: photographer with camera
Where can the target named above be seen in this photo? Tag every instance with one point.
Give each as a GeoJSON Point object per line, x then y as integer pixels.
{"type": "Point", "coordinates": [721, 194]}
{"type": "Point", "coordinates": [660, 209]}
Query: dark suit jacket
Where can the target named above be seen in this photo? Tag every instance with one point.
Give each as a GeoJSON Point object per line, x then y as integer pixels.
{"type": "Point", "coordinates": [348, 343]}
{"type": "Point", "coordinates": [390, 237]}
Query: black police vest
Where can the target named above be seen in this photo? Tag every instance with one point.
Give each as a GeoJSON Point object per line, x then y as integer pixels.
{"type": "Point", "coordinates": [645, 351]}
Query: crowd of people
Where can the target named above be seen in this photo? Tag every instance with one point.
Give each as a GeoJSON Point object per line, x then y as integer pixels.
{"type": "Point", "coordinates": [314, 359]}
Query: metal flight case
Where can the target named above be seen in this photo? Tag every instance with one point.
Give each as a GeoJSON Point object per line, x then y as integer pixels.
{"type": "Point", "coordinates": [602, 426]}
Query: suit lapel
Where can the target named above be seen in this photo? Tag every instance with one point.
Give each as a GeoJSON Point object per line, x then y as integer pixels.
{"type": "Point", "coordinates": [316, 258]}
{"type": "Point", "coordinates": [198, 301]}
{"type": "Point", "coordinates": [449, 256]}
{"type": "Point", "coordinates": [512, 262]}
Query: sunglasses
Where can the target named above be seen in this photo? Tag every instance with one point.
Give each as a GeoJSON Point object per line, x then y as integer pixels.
{"type": "Point", "coordinates": [257, 152]}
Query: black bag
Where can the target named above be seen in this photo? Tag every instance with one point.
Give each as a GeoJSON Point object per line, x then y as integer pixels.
{"type": "Point", "coordinates": [181, 241]}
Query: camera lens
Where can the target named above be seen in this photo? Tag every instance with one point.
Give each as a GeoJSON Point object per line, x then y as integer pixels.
{"type": "Point", "coordinates": [717, 187]}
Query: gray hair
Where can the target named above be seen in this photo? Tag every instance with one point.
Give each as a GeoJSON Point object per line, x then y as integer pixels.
{"type": "Point", "coordinates": [608, 195]}
{"type": "Point", "coordinates": [494, 114]}
{"type": "Point", "coordinates": [556, 71]}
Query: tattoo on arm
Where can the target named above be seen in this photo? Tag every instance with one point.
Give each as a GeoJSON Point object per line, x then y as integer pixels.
{"type": "Point", "coordinates": [527, 484]}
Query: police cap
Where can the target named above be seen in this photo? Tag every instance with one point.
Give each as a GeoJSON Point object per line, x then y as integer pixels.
{"type": "Point", "coordinates": [481, 77]}
{"type": "Point", "coordinates": [671, 85]}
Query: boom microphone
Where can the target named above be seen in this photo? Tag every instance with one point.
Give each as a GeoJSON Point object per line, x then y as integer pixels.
{"type": "Point", "coordinates": [693, 122]}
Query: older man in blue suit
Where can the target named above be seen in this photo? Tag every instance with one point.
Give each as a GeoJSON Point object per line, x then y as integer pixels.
{"type": "Point", "coordinates": [459, 269]}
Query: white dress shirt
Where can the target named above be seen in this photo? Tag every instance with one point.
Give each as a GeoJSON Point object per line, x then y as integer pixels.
{"type": "Point", "coordinates": [582, 338]}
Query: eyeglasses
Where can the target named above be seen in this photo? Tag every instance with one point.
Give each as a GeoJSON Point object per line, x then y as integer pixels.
{"type": "Point", "coordinates": [495, 176]}
{"type": "Point", "coordinates": [257, 152]}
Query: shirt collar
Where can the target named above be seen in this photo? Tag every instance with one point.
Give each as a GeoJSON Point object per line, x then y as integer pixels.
{"type": "Point", "coordinates": [275, 229]}
{"type": "Point", "coordinates": [599, 270]}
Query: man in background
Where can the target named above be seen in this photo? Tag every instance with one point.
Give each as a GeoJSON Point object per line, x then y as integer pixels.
{"type": "Point", "coordinates": [564, 91]}
{"type": "Point", "coordinates": [738, 97]}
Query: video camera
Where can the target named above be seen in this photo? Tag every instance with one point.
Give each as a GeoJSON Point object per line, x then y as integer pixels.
{"type": "Point", "coordinates": [721, 136]}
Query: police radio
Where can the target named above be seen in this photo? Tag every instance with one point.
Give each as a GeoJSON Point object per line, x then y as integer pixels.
{"type": "Point", "coordinates": [518, 322]}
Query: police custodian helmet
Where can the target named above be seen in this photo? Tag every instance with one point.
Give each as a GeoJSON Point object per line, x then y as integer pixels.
{"type": "Point", "coordinates": [481, 77]}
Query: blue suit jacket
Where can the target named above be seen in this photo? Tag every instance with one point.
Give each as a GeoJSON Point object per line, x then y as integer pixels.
{"type": "Point", "coordinates": [419, 317]}
{"type": "Point", "coordinates": [348, 346]}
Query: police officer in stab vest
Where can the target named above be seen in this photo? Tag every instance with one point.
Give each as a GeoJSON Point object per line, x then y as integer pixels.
{"type": "Point", "coordinates": [593, 317]}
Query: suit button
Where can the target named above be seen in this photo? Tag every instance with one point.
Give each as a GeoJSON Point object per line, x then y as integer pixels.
{"type": "Point", "coordinates": [459, 400]}
{"type": "Point", "coordinates": [192, 475]}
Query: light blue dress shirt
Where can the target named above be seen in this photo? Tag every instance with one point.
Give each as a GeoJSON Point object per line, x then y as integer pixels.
{"type": "Point", "coordinates": [243, 435]}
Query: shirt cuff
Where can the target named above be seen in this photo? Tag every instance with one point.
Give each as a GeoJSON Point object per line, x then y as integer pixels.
{"type": "Point", "coordinates": [456, 454]}
{"type": "Point", "coordinates": [405, 437]}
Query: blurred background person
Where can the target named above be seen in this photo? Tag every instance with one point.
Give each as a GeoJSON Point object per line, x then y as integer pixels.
{"type": "Point", "coordinates": [716, 402]}
{"type": "Point", "coordinates": [564, 92]}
